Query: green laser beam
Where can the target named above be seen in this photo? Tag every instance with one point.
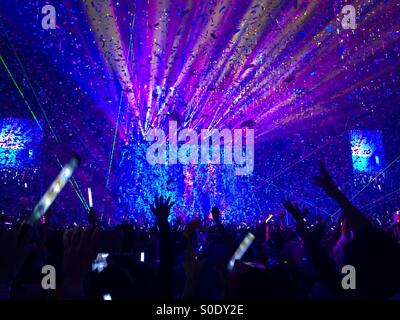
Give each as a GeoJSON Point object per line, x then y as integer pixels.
{"type": "Point", "coordinates": [77, 191]}
{"type": "Point", "coordinates": [37, 121]}
{"type": "Point", "coordinates": [30, 84]}
{"type": "Point", "coordinates": [119, 111]}
{"type": "Point", "coordinates": [20, 92]}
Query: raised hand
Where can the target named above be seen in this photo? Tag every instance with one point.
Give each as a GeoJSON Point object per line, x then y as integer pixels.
{"type": "Point", "coordinates": [294, 209]}
{"type": "Point", "coordinates": [356, 219]}
{"type": "Point", "coordinates": [162, 209]}
{"type": "Point", "coordinates": [79, 251]}
{"type": "Point", "coordinates": [326, 182]}
{"type": "Point", "coordinates": [298, 214]}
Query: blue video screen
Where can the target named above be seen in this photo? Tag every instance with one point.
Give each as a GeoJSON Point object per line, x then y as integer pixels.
{"type": "Point", "coordinates": [367, 151]}
{"type": "Point", "coordinates": [20, 143]}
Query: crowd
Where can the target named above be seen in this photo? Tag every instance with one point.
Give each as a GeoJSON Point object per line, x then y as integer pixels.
{"type": "Point", "coordinates": [177, 261]}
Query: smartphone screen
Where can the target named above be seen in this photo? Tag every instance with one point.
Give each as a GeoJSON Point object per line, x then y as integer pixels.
{"type": "Point", "coordinates": [199, 241]}
{"type": "Point", "coordinates": [100, 263]}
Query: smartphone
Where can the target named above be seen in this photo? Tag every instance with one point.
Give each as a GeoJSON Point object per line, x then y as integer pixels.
{"type": "Point", "coordinates": [199, 241]}
{"type": "Point", "coordinates": [100, 263]}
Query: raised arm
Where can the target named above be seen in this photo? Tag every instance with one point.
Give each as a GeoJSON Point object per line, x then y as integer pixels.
{"type": "Point", "coordinates": [354, 217]}
{"type": "Point", "coordinates": [216, 216]}
{"type": "Point", "coordinates": [325, 266]}
{"type": "Point", "coordinates": [161, 209]}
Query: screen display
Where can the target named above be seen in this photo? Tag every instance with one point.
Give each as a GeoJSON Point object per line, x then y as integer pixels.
{"type": "Point", "coordinates": [367, 151]}
{"type": "Point", "coordinates": [20, 143]}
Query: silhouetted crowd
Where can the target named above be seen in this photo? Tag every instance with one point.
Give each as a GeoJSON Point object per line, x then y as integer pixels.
{"type": "Point", "coordinates": [177, 261]}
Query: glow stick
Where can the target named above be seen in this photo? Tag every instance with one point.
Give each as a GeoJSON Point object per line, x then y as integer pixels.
{"type": "Point", "coordinates": [142, 257]}
{"type": "Point", "coordinates": [269, 218]}
{"type": "Point", "coordinates": [89, 190]}
{"type": "Point", "coordinates": [54, 190]}
{"type": "Point", "coordinates": [241, 250]}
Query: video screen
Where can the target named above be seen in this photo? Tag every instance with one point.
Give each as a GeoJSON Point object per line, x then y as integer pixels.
{"type": "Point", "coordinates": [20, 143]}
{"type": "Point", "coordinates": [367, 151]}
